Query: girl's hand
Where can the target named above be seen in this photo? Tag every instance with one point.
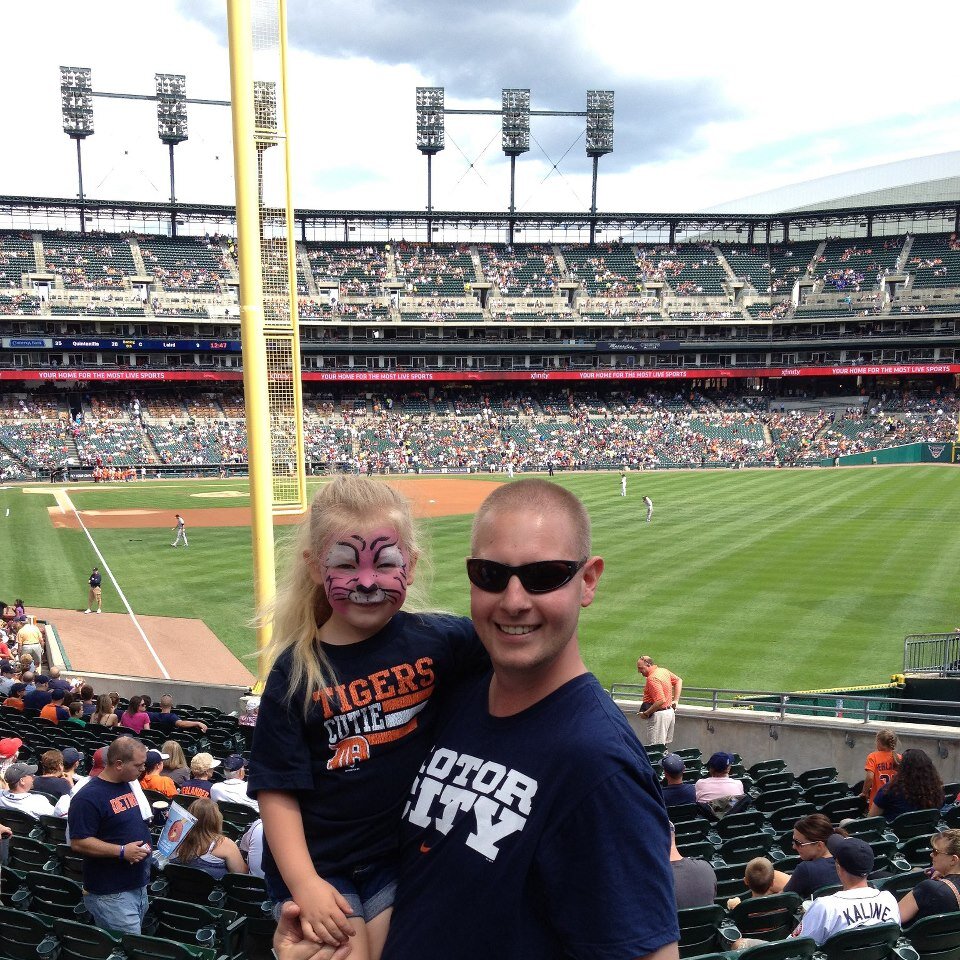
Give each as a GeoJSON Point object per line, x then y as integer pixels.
{"type": "Point", "coordinates": [323, 913]}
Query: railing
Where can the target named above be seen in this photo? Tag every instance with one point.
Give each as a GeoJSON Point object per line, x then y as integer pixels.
{"type": "Point", "coordinates": [932, 653]}
{"type": "Point", "coordinates": [885, 706]}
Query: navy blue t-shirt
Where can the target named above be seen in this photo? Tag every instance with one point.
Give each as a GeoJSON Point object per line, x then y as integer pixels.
{"type": "Point", "coordinates": [164, 722]}
{"type": "Point", "coordinates": [675, 794]}
{"type": "Point", "coordinates": [352, 760]}
{"type": "Point", "coordinates": [540, 835]}
{"type": "Point", "coordinates": [810, 875]}
{"type": "Point", "coordinates": [109, 812]}
{"type": "Point", "coordinates": [892, 804]}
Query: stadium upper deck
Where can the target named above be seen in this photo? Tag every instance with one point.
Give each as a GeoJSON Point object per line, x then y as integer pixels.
{"type": "Point", "coordinates": [868, 291]}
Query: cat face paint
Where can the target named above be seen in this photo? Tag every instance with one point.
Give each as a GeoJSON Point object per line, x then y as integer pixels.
{"type": "Point", "coordinates": [366, 570]}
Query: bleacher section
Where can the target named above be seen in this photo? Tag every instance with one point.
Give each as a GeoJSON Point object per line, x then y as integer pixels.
{"type": "Point", "coordinates": [434, 270]}
{"type": "Point", "coordinates": [934, 261]}
{"type": "Point", "coordinates": [847, 265]}
{"type": "Point", "coordinates": [89, 261]}
{"type": "Point", "coordinates": [604, 270]}
{"type": "Point", "coordinates": [358, 270]}
{"type": "Point", "coordinates": [185, 264]}
{"type": "Point", "coordinates": [527, 270]}
{"type": "Point", "coordinates": [16, 258]}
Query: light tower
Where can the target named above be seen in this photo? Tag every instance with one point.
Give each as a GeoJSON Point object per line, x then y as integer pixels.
{"type": "Point", "coordinates": [515, 120]}
{"type": "Point", "coordinates": [76, 101]}
{"type": "Point", "coordinates": [171, 123]}
{"type": "Point", "coordinates": [430, 137]}
{"type": "Point", "coordinates": [599, 141]}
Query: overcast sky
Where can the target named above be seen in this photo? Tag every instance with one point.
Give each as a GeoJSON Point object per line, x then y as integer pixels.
{"type": "Point", "coordinates": [714, 102]}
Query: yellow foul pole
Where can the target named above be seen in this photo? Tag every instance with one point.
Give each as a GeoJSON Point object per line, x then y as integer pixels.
{"type": "Point", "coordinates": [251, 308]}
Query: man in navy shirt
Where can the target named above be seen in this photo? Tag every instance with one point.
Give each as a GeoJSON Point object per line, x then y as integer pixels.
{"type": "Point", "coordinates": [108, 829]}
{"type": "Point", "coordinates": [676, 791]}
{"type": "Point", "coordinates": [166, 721]}
{"type": "Point", "coordinates": [537, 801]}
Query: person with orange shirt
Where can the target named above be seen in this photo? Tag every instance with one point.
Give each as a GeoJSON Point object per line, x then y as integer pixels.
{"type": "Point", "coordinates": [153, 778]}
{"type": "Point", "coordinates": [55, 711]}
{"type": "Point", "coordinates": [661, 694]}
{"type": "Point", "coordinates": [881, 766]}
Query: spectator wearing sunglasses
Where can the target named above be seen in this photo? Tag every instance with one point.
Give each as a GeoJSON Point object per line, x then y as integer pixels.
{"type": "Point", "coordinates": [535, 770]}
{"type": "Point", "coordinates": [816, 868]}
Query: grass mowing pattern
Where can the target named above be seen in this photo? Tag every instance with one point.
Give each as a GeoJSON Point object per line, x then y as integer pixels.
{"type": "Point", "coordinates": [748, 579]}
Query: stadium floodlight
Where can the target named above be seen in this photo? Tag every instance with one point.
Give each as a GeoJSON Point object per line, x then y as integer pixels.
{"type": "Point", "coordinates": [515, 113]}
{"type": "Point", "coordinates": [171, 107]}
{"type": "Point", "coordinates": [430, 128]}
{"type": "Point", "coordinates": [599, 122]}
{"type": "Point", "coordinates": [76, 100]}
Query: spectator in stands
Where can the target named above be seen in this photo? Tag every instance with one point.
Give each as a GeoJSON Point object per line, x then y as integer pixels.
{"type": "Point", "coordinates": [251, 846]}
{"type": "Point", "coordinates": [105, 713]}
{"type": "Point", "coordinates": [9, 748]}
{"type": "Point", "coordinates": [152, 777]}
{"type": "Point", "coordinates": [881, 766]}
{"type": "Point", "coordinates": [71, 761]}
{"type": "Point", "coordinates": [111, 831]}
{"type": "Point", "coordinates": [76, 713]}
{"type": "Point", "coordinates": [205, 847]}
{"type": "Point", "coordinates": [816, 868]}
{"type": "Point", "coordinates": [15, 699]}
{"type": "Point", "coordinates": [17, 796]}
{"type": "Point", "coordinates": [5, 650]}
{"type": "Point", "coordinates": [758, 878]}
{"type": "Point", "coordinates": [86, 698]}
{"type": "Point", "coordinates": [201, 773]}
{"type": "Point", "coordinates": [694, 880]}
{"type": "Point", "coordinates": [233, 787]}
{"type": "Point", "coordinates": [941, 892]}
{"type": "Point", "coordinates": [39, 696]}
{"type": "Point", "coordinates": [718, 786]}
{"type": "Point", "coordinates": [7, 678]}
{"type": "Point", "coordinates": [917, 787]}
{"type": "Point", "coordinates": [166, 721]}
{"type": "Point", "coordinates": [676, 792]}
{"type": "Point", "coordinates": [55, 711]}
{"type": "Point", "coordinates": [57, 682]}
{"type": "Point", "coordinates": [175, 766]}
{"type": "Point", "coordinates": [31, 640]}
{"type": "Point", "coordinates": [135, 717]}
{"type": "Point", "coordinates": [857, 904]}
{"type": "Point", "coordinates": [661, 693]}
{"type": "Point", "coordinates": [52, 779]}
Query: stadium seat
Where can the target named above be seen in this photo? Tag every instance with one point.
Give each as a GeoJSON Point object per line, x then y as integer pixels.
{"type": "Point", "coordinates": [770, 800]}
{"type": "Point", "coordinates": [766, 766]}
{"type": "Point", "coordinates": [70, 864]}
{"type": "Point", "coordinates": [863, 943]}
{"type": "Point", "coordinates": [689, 831]}
{"type": "Point", "coordinates": [799, 949]}
{"type": "Point", "coordinates": [156, 948]}
{"type": "Point", "coordinates": [25, 936]}
{"type": "Point", "coordinates": [697, 849]}
{"type": "Point", "coordinates": [82, 941]}
{"type": "Point", "coordinates": [197, 924]}
{"type": "Point", "coordinates": [54, 828]}
{"type": "Point", "coordinates": [26, 854]}
{"type": "Point", "coordinates": [703, 929]}
{"type": "Point", "coordinates": [826, 890]}
{"type": "Point", "coordinates": [868, 828]}
{"type": "Point", "coordinates": [900, 884]}
{"type": "Point", "coordinates": [743, 848]}
{"type": "Point", "coordinates": [22, 824]}
{"type": "Point", "coordinates": [189, 884]}
{"type": "Point", "coordinates": [738, 825]}
{"type": "Point", "coordinates": [936, 937]}
{"type": "Point", "coordinates": [781, 780]}
{"type": "Point", "coordinates": [767, 918]}
{"type": "Point", "coordinates": [842, 808]}
{"type": "Point", "coordinates": [783, 818]}
{"type": "Point", "coordinates": [916, 851]}
{"type": "Point", "coordinates": [951, 817]}
{"type": "Point", "coordinates": [685, 811]}
{"type": "Point", "coordinates": [52, 895]}
{"type": "Point", "coordinates": [818, 775]}
{"type": "Point", "coordinates": [916, 823]}
{"type": "Point", "coordinates": [823, 793]}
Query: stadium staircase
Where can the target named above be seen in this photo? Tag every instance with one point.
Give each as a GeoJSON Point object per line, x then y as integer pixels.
{"type": "Point", "coordinates": [904, 257]}
{"type": "Point", "coordinates": [304, 262]}
{"type": "Point", "coordinates": [477, 264]}
{"type": "Point", "coordinates": [38, 253]}
{"type": "Point", "coordinates": [727, 269]}
{"type": "Point", "coordinates": [561, 262]}
{"type": "Point", "coordinates": [138, 257]}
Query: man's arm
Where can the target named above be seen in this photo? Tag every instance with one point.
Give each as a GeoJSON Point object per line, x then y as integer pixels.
{"type": "Point", "coordinates": [670, 952]}
{"type": "Point", "coordinates": [659, 698]}
{"type": "Point", "coordinates": [677, 684]}
{"type": "Point", "coordinates": [187, 724]}
{"type": "Point", "coordinates": [94, 847]}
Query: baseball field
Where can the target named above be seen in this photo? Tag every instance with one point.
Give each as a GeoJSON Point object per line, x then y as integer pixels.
{"type": "Point", "coordinates": [766, 579]}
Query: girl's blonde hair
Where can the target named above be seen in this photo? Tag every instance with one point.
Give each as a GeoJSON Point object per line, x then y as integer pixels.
{"type": "Point", "coordinates": [207, 829]}
{"type": "Point", "coordinates": [301, 606]}
{"type": "Point", "coordinates": [173, 750]}
{"type": "Point", "coordinates": [886, 740]}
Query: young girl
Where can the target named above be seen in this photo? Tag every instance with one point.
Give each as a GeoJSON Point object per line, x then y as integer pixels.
{"type": "Point", "coordinates": [881, 766]}
{"type": "Point", "coordinates": [348, 709]}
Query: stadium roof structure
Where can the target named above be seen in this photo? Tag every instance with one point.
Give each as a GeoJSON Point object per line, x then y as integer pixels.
{"type": "Point", "coordinates": [936, 215]}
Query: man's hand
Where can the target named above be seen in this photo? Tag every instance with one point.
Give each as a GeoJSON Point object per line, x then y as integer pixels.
{"type": "Point", "coordinates": [135, 852]}
{"type": "Point", "coordinates": [289, 943]}
{"type": "Point", "coordinates": [323, 912]}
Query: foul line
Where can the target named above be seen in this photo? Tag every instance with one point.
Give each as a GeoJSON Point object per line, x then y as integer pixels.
{"type": "Point", "coordinates": [68, 502]}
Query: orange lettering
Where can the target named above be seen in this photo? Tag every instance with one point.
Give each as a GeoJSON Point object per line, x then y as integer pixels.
{"type": "Point", "coordinates": [382, 689]}
{"type": "Point", "coordinates": [360, 693]}
{"type": "Point", "coordinates": [423, 666]}
{"type": "Point", "coordinates": [404, 674]}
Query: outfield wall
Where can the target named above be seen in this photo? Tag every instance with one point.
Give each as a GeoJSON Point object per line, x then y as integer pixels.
{"type": "Point", "coordinates": [803, 742]}
{"type": "Point", "coordinates": [942, 452]}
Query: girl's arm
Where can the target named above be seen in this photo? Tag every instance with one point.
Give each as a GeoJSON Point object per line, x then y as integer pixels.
{"type": "Point", "coordinates": [230, 853]}
{"type": "Point", "coordinates": [867, 784]}
{"type": "Point", "coordinates": [323, 911]}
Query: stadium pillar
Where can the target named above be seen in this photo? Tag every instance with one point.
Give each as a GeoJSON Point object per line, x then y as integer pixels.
{"type": "Point", "coordinates": [83, 224]}
{"type": "Point", "coordinates": [253, 343]}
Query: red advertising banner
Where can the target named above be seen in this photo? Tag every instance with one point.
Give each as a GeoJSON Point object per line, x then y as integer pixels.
{"type": "Point", "coordinates": [468, 376]}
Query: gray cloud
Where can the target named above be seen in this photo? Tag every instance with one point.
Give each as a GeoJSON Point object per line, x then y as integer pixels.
{"type": "Point", "coordinates": [475, 47]}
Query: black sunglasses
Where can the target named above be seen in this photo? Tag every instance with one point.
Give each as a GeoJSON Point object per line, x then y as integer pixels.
{"type": "Point", "coordinates": [544, 576]}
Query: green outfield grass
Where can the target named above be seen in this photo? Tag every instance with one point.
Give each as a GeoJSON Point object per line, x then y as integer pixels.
{"type": "Point", "coordinates": [751, 579]}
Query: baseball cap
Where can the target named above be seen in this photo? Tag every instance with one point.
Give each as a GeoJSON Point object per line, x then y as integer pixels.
{"type": "Point", "coordinates": [6, 666]}
{"type": "Point", "coordinates": [719, 761]}
{"type": "Point", "coordinates": [852, 853]}
{"type": "Point", "coordinates": [671, 763]}
{"type": "Point", "coordinates": [17, 771]}
{"type": "Point", "coordinates": [41, 678]}
{"type": "Point", "coordinates": [71, 755]}
{"type": "Point", "coordinates": [57, 693]}
{"type": "Point", "coordinates": [155, 756]}
{"type": "Point", "coordinates": [203, 761]}
{"type": "Point", "coordinates": [234, 762]}
{"type": "Point", "coordinates": [9, 747]}
{"type": "Point", "coordinates": [99, 761]}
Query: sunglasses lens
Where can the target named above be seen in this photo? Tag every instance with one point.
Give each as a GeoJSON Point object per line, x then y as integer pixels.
{"type": "Point", "coordinates": [488, 575]}
{"type": "Point", "coordinates": [547, 575]}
